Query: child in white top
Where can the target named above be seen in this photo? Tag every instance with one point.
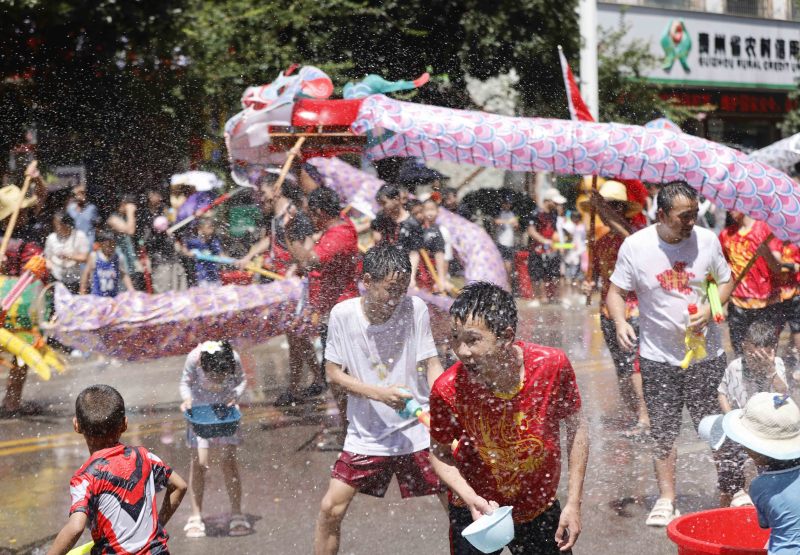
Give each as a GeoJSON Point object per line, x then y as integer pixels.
{"type": "Point", "coordinates": [758, 369]}
{"type": "Point", "coordinates": [213, 375]}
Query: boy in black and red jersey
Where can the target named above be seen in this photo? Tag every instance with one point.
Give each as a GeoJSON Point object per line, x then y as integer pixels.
{"type": "Point", "coordinates": [115, 490]}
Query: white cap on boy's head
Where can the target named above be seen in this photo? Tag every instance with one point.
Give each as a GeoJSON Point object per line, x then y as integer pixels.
{"type": "Point", "coordinates": [769, 424]}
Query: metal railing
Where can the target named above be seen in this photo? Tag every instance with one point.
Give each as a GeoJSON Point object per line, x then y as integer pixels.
{"type": "Point", "coordinates": [748, 8]}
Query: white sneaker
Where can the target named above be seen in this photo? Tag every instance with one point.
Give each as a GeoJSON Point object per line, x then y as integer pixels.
{"type": "Point", "coordinates": [662, 513]}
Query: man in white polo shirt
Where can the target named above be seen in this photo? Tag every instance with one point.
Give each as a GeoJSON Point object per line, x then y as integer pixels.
{"type": "Point", "coordinates": [666, 264]}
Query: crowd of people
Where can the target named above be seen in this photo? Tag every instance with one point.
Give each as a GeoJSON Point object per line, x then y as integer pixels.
{"type": "Point", "coordinates": [493, 437]}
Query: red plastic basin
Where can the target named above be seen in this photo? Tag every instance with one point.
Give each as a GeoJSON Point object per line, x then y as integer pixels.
{"type": "Point", "coordinates": [719, 532]}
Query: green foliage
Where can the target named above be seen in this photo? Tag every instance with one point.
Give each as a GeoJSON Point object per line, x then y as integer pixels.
{"type": "Point", "coordinates": [625, 97]}
{"type": "Point", "coordinates": [123, 85]}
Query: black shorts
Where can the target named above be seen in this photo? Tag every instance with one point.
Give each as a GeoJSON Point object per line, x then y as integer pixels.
{"type": "Point", "coordinates": [789, 313]}
{"type": "Point", "coordinates": [668, 388]}
{"type": "Point", "coordinates": [507, 253]}
{"type": "Point", "coordinates": [544, 267]}
{"type": "Point", "coordinates": [536, 537]}
{"type": "Point", "coordinates": [730, 459]}
{"type": "Point", "coordinates": [625, 362]}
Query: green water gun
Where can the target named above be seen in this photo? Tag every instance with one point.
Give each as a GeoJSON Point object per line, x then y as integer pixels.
{"type": "Point", "coordinates": [712, 292]}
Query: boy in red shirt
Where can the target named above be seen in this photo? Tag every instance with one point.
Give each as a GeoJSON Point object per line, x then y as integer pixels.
{"type": "Point", "coordinates": [503, 402]}
{"type": "Point", "coordinates": [755, 298]}
{"type": "Point", "coordinates": [115, 489]}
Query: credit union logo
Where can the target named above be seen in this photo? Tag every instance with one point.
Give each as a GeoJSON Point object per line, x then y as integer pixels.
{"type": "Point", "coordinates": [676, 44]}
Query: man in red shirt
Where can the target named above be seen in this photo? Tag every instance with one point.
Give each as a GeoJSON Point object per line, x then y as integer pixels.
{"type": "Point", "coordinates": [755, 298]}
{"type": "Point", "coordinates": [503, 403]}
{"type": "Point", "coordinates": [331, 263]}
{"type": "Point", "coordinates": [787, 279]}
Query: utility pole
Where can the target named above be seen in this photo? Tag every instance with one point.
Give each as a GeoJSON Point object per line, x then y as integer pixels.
{"type": "Point", "coordinates": [587, 17]}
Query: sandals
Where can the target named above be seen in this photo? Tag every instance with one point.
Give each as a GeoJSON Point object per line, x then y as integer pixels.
{"type": "Point", "coordinates": [239, 526]}
{"type": "Point", "coordinates": [195, 528]}
{"type": "Point", "coordinates": [662, 514]}
{"type": "Point", "coordinates": [741, 499]}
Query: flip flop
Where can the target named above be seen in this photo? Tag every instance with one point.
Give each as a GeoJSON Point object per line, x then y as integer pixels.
{"type": "Point", "coordinates": [239, 526]}
{"type": "Point", "coordinates": [195, 528]}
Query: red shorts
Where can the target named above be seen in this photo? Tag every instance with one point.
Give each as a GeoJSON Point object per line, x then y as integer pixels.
{"type": "Point", "coordinates": [371, 474]}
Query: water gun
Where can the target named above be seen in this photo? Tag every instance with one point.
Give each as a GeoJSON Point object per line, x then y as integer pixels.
{"type": "Point", "coordinates": [84, 549]}
{"type": "Point", "coordinates": [414, 410]}
{"type": "Point", "coordinates": [712, 291]}
{"type": "Point", "coordinates": [199, 255]}
{"type": "Point", "coordinates": [695, 343]}
{"type": "Point", "coordinates": [203, 209]}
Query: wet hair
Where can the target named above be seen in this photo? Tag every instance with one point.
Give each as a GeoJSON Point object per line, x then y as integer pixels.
{"type": "Point", "coordinates": [326, 200]}
{"type": "Point", "coordinates": [449, 191]}
{"type": "Point", "coordinates": [313, 173]}
{"type": "Point", "coordinates": [127, 199]}
{"type": "Point", "coordinates": [762, 334]}
{"type": "Point", "coordinates": [293, 192]}
{"type": "Point", "coordinates": [384, 260]}
{"type": "Point", "coordinates": [486, 301]}
{"type": "Point", "coordinates": [388, 190]}
{"type": "Point", "coordinates": [100, 411]}
{"type": "Point", "coordinates": [221, 362]}
{"type": "Point", "coordinates": [64, 218]}
{"type": "Point", "coordinates": [104, 235]}
{"type": "Point", "coordinates": [413, 203]}
{"type": "Point", "coordinates": [669, 192]}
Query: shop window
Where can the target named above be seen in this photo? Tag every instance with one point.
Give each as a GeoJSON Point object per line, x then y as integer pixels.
{"type": "Point", "coordinates": [750, 8]}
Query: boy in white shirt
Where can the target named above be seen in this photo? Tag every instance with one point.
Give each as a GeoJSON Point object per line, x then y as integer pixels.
{"type": "Point", "coordinates": [758, 369]}
{"type": "Point", "coordinates": [384, 340]}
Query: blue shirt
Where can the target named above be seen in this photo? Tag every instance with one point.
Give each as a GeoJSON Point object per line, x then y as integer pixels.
{"type": "Point", "coordinates": [107, 275]}
{"type": "Point", "coordinates": [85, 220]}
{"type": "Point", "coordinates": [776, 495]}
{"type": "Point", "coordinates": [205, 271]}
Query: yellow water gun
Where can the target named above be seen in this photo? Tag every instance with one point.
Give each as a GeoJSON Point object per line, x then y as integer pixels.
{"type": "Point", "coordinates": [695, 343]}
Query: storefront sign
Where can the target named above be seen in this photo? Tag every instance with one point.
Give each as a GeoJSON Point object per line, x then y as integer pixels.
{"type": "Point", "coordinates": [776, 104]}
{"type": "Point", "coordinates": [698, 49]}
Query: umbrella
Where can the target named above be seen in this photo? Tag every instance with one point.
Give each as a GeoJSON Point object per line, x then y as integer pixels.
{"type": "Point", "coordinates": [725, 176]}
{"type": "Point", "coordinates": [782, 155]}
{"type": "Point", "coordinates": [475, 248]}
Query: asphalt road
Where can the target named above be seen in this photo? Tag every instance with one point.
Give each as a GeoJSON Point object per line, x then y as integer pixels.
{"type": "Point", "coordinates": [284, 475]}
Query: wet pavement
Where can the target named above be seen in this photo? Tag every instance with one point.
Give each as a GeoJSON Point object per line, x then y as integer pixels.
{"type": "Point", "coordinates": [284, 475]}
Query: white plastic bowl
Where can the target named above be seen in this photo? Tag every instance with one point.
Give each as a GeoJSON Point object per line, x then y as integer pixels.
{"type": "Point", "coordinates": [491, 532]}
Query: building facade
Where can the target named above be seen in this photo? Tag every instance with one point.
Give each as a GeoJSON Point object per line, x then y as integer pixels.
{"type": "Point", "coordinates": [733, 60]}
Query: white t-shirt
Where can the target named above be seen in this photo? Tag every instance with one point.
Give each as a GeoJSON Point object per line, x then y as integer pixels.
{"type": "Point", "coordinates": [505, 232]}
{"type": "Point", "coordinates": [448, 242]}
{"type": "Point", "coordinates": [667, 278]}
{"type": "Point", "coordinates": [383, 355]}
{"type": "Point", "coordinates": [738, 384]}
{"type": "Point", "coordinates": [55, 248]}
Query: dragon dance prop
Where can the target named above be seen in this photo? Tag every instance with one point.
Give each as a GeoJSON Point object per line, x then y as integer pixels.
{"type": "Point", "coordinates": [20, 335]}
{"type": "Point", "coordinates": [135, 326]}
{"type": "Point", "coordinates": [725, 176]}
{"type": "Point", "coordinates": [782, 155]}
{"type": "Point", "coordinates": [254, 268]}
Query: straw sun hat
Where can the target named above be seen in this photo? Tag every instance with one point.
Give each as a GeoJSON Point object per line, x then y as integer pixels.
{"type": "Point", "coordinates": [9, 197]}
{"type": "Point", "coordinates": [769, 424]}
{"type": "Point", "coordinates": [614, 191]}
